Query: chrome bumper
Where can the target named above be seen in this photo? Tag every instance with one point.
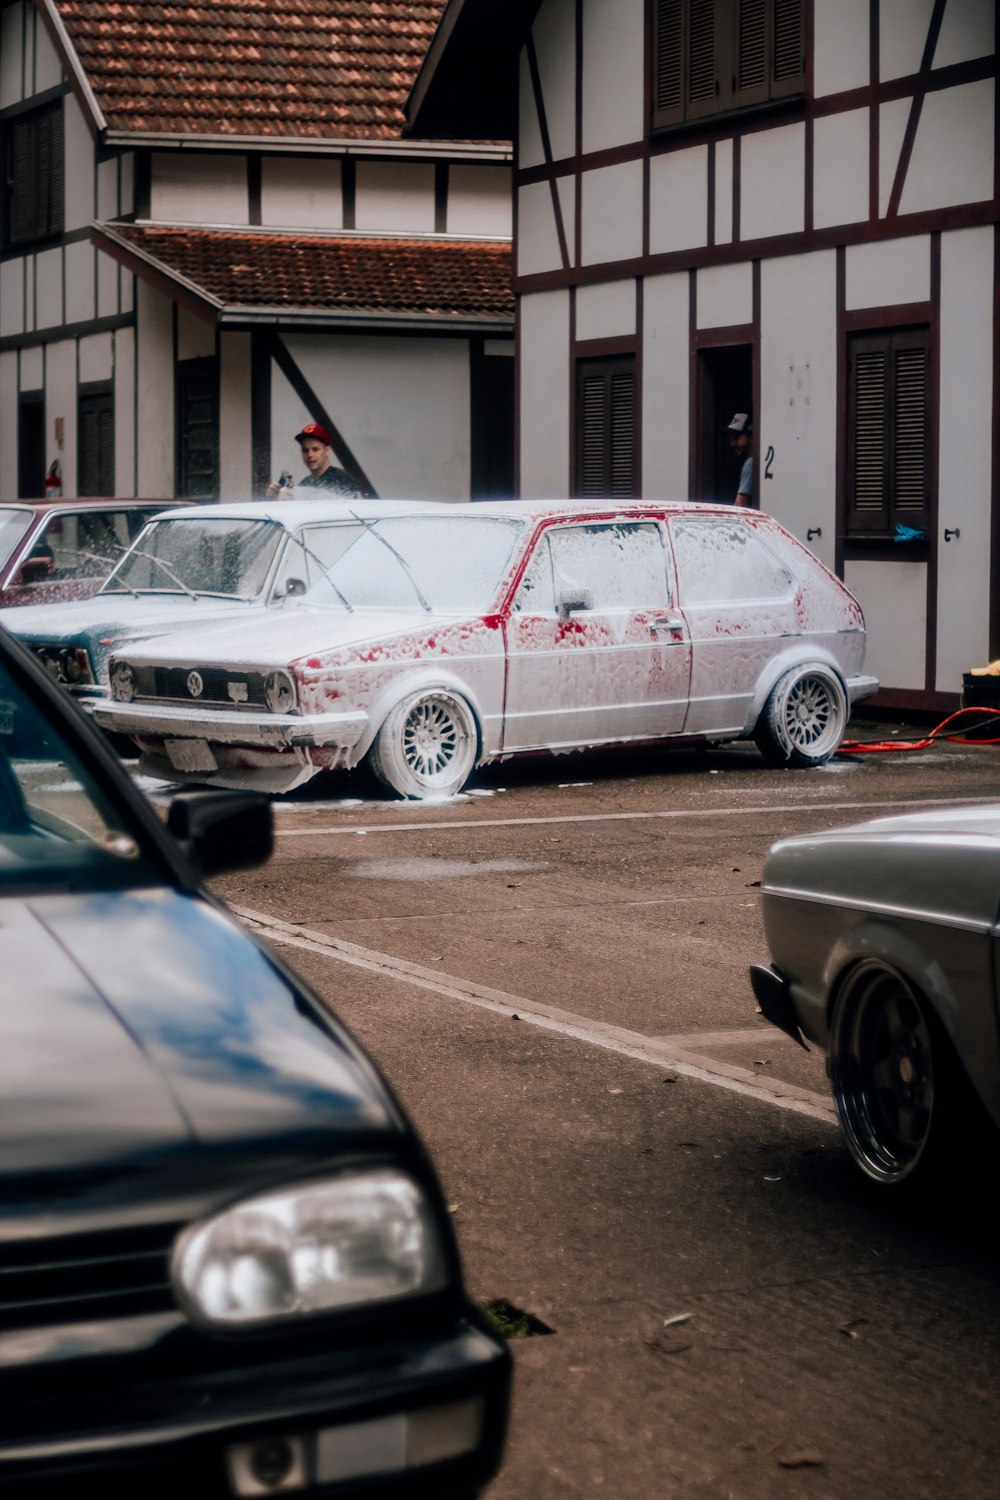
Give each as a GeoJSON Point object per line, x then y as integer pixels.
{"type": "Point", "coordinates": [226, 727]}
{"type": "Point", "coordinates": [861, 687]}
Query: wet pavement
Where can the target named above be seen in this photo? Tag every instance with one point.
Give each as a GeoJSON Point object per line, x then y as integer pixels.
{"type": "Point", "coordinates": [552, 972]}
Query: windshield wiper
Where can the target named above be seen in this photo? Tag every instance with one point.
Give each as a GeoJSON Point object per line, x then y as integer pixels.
{"type": "Point", "coordinates": [148, 557]}
{"type": "Point", "coordinates": [323, 568]}
{"type": "Point", "coordinates": [370, 526]}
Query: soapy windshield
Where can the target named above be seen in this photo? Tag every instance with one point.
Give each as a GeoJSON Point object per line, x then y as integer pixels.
{"type": "Point", "coordinates": [228, 558]}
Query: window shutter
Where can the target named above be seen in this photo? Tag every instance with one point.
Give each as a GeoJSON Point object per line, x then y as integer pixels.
{"type": "Point", "coordinates": [668, 74]}
{"type": "Point", "coordinates": [888, 431]}
{"type": "Point", "coordinates": [607, 438]}
{"type": "Point", "coordinates": [24, 183]}
{"type": "Point", "coordinates": [788, 70]}
{"type": "Point", "coordinates": [702, 59]}
{"type": "Point", "coordinates": [35, 176]}
{"type": "Point", "coordinates": [751, 82]}
{"type": "Point", "coordinates": [96, 444]}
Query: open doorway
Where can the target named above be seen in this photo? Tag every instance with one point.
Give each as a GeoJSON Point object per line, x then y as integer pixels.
{"type": "Point", "coordinates": [725, 386]}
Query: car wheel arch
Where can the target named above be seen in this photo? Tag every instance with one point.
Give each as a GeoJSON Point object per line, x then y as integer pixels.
{"type": "Point", "coordinates": [792, 660]}
{"type": "Point", "coordinates": [897, 949]}
{"type": "Point", "coordinates": [402, 688]}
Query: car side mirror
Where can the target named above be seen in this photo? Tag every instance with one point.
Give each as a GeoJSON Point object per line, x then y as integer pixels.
{"type": "Point", "coordinates": [294, 587]}
{"type": "Point", "coordinates": [571, 599]}
{"type": "Point", "coordinates": [222, 831]}
{"type": "Point", "coordinates": [35, 569]}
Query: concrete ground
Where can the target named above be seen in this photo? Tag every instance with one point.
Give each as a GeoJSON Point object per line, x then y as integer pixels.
{"type": "Point", "coordinates": [552, 972]}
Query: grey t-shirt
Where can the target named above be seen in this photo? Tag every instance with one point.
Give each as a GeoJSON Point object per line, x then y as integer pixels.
{"type": "Point", "coordinates": [745, 486]}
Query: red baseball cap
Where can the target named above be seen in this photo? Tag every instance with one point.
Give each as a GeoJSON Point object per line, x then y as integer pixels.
{"type": "Point", "coordinates": [314, 430]}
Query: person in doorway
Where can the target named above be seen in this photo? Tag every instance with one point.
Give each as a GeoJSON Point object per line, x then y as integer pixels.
{"type": "Point", "coordinates": [314, 443]}
{"type": "Point", "coordinates": [740, 431]}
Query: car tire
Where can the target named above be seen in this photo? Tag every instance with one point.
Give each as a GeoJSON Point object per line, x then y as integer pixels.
{"type": "Point", "coordinates": [428, 745]}
{"type": "Point", "coordinates": [804, 718]}
{"type": "Point", "coordinates": [900, 1096]}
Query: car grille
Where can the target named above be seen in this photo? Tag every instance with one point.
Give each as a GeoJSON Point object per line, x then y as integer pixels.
{"type": "Point", "coordinates": [86, 1277]}
{"type": "Point", "coordinates": [172, 683]}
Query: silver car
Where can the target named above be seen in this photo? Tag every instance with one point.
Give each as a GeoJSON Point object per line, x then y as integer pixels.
{"type": "Point", "coordinates": [463, 633]}
{"type": "Point", "coordinates": [883, 940]}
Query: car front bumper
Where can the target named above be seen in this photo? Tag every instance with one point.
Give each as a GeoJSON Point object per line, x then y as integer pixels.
{"type": "Point", "coordinates": [223, 726]}
{"type": "Point", "coordinates": [418, 1416]}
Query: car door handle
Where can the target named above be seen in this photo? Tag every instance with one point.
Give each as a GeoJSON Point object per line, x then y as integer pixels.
{"type": "Point", "coordinates": [665, 625]}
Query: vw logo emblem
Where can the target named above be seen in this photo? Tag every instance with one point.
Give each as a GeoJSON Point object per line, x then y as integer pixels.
{"type": "Point", "coordinates": [195, 684]}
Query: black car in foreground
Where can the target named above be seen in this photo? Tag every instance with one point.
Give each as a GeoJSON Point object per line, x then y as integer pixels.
{"type": "Point", "coordinates": [226, 1267]}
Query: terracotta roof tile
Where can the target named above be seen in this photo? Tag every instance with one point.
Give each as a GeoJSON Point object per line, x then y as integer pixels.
{"type": "Point", "coordinates": [307, 68]}
{"type": "Point", "coordinates": [349, 274]}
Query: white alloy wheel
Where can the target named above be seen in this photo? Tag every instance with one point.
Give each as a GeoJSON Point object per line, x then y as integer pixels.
{"type": "Point", "coordinates": [804, 718]}
{"type": "Point", "coordinates": [427, 746]}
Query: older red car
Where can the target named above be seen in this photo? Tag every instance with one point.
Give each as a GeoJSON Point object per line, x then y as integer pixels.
{"type": "Point", "coordinates": [64, 549]}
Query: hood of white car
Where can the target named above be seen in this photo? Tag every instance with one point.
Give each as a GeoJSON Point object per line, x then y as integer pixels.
{"type": "Point", "coordinates": [274, 638]}
{"type": "Point", "coordinates": [112, 614]}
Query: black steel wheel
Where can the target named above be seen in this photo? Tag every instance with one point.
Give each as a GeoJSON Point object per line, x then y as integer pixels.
{"type": "Point", "coordinates": [893, 1074]}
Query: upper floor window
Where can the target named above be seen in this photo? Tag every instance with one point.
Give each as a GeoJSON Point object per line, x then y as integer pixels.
{"type": "Point", "coordinates": [888, 381]}
{"type": "Point", "coordinates": [33, 175]}
{"type": "Point", "coordinates": [607, 438]}
{"type": "Point", "coordinates": [710, 56]}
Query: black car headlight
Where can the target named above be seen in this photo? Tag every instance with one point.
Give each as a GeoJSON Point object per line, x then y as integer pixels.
{"type": "Point", "coordinates": [122, 682]}
{"type": "Point", "coordinates": [279, 692]}
{"type": "Point", "coordinates": [347, 1242]}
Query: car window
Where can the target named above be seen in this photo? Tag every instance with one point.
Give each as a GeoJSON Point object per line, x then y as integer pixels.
{"type": "Point", "coordinates": [449, 563]}
{"type": "Point", "coordinates": [87, 544]}
{"type": "Point", "coordinates": [536, 593]}
{"type": "Point", "coordinates": [721, 560]}
{"type": "Point", "coordinates": [620, 564]}
{"type": "Point", "coordinates": [308, 558]}
{"type": "Point", "coordinates": [202, 555]}
{"type": "Point", "coordinates": [13, 525]}
{"type": "Point", "coordinates": [58, 828]}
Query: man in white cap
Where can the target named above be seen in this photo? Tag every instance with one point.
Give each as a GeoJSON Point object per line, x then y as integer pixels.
{"type": "Point", "coordinates": [740, 432]}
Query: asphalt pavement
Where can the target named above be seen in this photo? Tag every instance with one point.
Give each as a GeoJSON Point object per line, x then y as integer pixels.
{"type": "Point", "coordinates": [552, 972]}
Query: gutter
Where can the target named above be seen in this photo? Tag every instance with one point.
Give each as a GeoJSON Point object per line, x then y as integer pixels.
{"type": "Point", "coordinates": [392, 146]}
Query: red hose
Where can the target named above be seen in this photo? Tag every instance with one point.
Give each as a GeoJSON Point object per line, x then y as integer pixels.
{"type": "Point", "coordinates": [874, 747]}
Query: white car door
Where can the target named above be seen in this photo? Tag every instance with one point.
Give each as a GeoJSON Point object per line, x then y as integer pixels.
{"type": "Point", "coordinates": [738, 598]}
{"type": "Point", "coordinates": [595, 651]}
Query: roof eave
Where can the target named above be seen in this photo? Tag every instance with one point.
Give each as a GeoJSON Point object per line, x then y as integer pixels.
{"type": "Point", "coordinates": [68, 57]}
{"type": "Point", "coordinates": [467, 84]}
{"type": "Point", "coordinates": [299, 145]}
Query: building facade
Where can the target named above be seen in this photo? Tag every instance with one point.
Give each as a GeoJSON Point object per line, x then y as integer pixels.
{"type": "Point", "coordinates": [786, 208]}
{"type": "Point", "coordinates": [212, 232]}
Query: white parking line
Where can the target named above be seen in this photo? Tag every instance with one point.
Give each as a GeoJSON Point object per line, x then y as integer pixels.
{"type": "Point", "coordinates": [660, 1052]}
{"type": "Point", "coordinates": [817, 808]}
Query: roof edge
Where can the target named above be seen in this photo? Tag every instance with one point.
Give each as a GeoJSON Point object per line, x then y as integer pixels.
{"type": "Point", "coordinates": [309, 145]}
{"type": "Point", "coordinates": [70, 60]}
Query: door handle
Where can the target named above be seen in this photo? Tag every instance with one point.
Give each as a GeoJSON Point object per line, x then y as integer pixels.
{"type": "Point", "coordinates": [659, 627]}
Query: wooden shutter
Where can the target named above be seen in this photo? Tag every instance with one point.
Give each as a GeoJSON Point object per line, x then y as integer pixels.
{"type": "Point", "coordinates": [888, 423]}
{"type": "Point", "coordinates": [788, 58]}
{"type": "Point", "coordinates": [96, 443]}
{"type": "Point", "coordinates": [668, 62]}
{"type": "Point", "coordinates": [607, 437]}
{"type": "Point", "coordinates": [710, 56]}
{"type": "Point", "coordinates": [35, 176]}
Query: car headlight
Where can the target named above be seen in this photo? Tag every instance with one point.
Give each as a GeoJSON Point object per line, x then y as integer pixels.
{"type": "Point", "coordinates": [122, 682]}
{"type": "Point", "coordinates": [348, 1242]}
{"type": "Point", "coordinates": [279, 692]}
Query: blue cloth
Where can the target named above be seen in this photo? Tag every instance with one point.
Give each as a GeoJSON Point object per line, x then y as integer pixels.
{"type": "Point", "coordinates": [745, 486]}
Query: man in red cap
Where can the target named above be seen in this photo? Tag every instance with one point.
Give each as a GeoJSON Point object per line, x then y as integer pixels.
{"type": "Point", "coordinates": [314, 441]}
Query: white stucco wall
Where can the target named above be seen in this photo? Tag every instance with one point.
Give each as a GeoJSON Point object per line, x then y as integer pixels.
{"type": "Point", "coordinates": [798, 381]}
{"type": "Point", "coordinates": [155, 393]}
{"type": "Point", "coordinates": [8, 424]}
{"type": "Point", "coordinates": [665, 387]}
{"type": "Point", "coordinates": [606, 311]}
{"type": "Point", "coordinates": [841, 45]}
{"type": "Point", "coordinates": [902, 35]}
{"type": "Point", "coordinates": [965, 450]}
{"type": "Point", "coordinates": [840, 168]}
{"type": "Point", "coordinates": [60, 401]}
{"type": "Point", "coordinates": [952, 159]}
{"type": "Point", "coordinates": [125, 435]}
{"type": "Point", "coordinates": [678, 200]}
{"type": "Point", "coordinates": [545, 388]}
{"type": "Point", "coordinates": [537, 245]}
{"type": "Point", "coordinates": [79, 167]}
{"type": "Point", "coordinates": [613, 59]}
{"type": "Point", "coordinates": [894, 600]}
{"type": "Point", "coordinates": [49, 301]}
{"type": "Point", "coordinates": [967, 31]}
{"type": "Point", "coordinates": [81, 282]}
{"type": "Point", "coordinates": [479, 200]}
{"type": "Point", "coordinates": [11, 23]}
{"type": "Point", "coordinates": [32, 373]}
{"type": "Point", "coordinates": [725, 295]}
{"type": "Point", "coordinates": [554, 36]}
{"type": "Point", "coordinates": [402, 405]}
{"type": "Point", "coordinates": [772, 182]}
{"type": "Point", "coordinates": [189, 188]}
{"type": "Point", "coordinates": [611, 213]}
{"type": "Point", "coordinates": [11, 297]}
{"type": "Point", "coordinates": [235, 444]}
{"type": "Point", "coordinates": [109, 278]}
{"type": "Point", "coordinates": [394, 196]}
{"type": "Point", "coordinates": [195, 337]}
{"type": "Point", "coordinates": [95, 357]}
{"type": "Point", "coordinates": [301, 193]}
{"type": "Point", "coordinates": [888, 272]}
{"type": "Point", "coordinates": [723, 192]}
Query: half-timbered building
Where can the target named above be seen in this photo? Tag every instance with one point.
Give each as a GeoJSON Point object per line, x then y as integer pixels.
{"type": "Point", "coordinates": [212, 232]}
{"type": "Point", "coordinates": [786, 208]}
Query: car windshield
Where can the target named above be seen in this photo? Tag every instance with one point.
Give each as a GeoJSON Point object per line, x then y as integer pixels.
{"type": "Point", "coordinates": [449, 563]}
{"type": "Point", "coordinates": [227, 557]}
{"type": "Point", "coordinates": [13, 525]}
{"type": "Point", "coordinates": [59, 830]}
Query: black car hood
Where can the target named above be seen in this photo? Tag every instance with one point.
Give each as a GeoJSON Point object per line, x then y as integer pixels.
{"type": "Point", "coordinates": [151, 1053]}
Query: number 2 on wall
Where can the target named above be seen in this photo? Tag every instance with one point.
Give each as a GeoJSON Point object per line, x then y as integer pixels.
{"type": "Point", "coordinates": [768, 461]}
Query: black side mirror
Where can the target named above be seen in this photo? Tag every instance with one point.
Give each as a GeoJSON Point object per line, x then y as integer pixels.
{"type": "Point", "coordinates": [222, 831]}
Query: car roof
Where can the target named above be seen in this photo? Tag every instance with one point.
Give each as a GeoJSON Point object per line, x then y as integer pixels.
{"type": "Point", "coordinates": [89, 503]}
{"type": "Point", "coordinates": [304, 508]}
